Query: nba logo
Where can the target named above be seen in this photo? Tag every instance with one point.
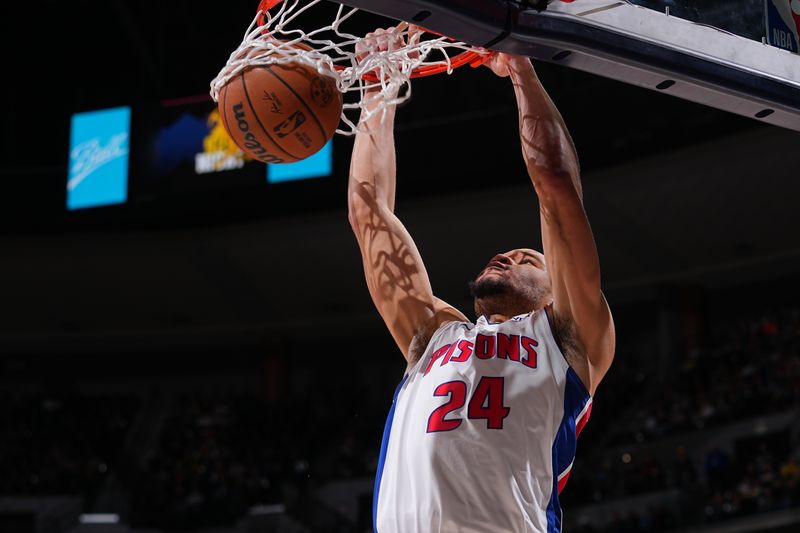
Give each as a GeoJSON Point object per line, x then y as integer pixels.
{"type": "Point", "coordinates": [783, 23]}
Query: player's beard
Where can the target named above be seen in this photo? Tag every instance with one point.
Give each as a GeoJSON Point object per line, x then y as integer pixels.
{"type": "Point", "coordinates": [500, 296]}
{"type": "Point", "coordinates": [489, 287]}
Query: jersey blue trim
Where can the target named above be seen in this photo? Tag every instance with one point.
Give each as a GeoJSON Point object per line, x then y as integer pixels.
{"type": "Point", "coordinates": [575, 398]}
{"type": "Point", "coordinates": [387, 429]}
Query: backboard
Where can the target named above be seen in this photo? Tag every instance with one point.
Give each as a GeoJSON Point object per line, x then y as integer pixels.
{"type": "Point", "coordinates": [715, 52]}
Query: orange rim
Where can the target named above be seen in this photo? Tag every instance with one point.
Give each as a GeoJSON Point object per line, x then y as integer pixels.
{"type": "Point", "coordinates": [473, 59]}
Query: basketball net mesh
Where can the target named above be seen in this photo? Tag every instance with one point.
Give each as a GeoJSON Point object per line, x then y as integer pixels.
{"type": "Point", "coordinates": [381, 79]}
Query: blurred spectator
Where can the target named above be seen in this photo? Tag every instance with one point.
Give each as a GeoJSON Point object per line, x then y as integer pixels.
{"type": "Point", "coordinates": [683, 469]}
{"type": "Point", "coordinates": [218, 455]}
{"type": "Point", "coordinates": [61, 444]}
{"type": "Point", "coordinates": [718, 465]}
{"type": "Point", "coordinates": [752, 369]}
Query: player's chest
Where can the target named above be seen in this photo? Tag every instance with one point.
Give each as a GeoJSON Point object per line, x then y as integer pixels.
{"type": "Point", "coordinates": [466, 350]}
{"type": "Point", "coordinates": [481, 377]}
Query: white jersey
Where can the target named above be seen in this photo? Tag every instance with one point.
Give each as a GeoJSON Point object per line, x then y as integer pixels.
{"type": "Point", "coordinates": [482, 432]}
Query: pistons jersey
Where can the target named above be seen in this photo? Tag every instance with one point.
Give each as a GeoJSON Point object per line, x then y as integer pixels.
{"type": "Point", "coordinates": [482, 431]}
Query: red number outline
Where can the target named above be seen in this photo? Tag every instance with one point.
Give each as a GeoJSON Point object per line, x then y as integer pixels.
{"type": "Point", "coordinates": [490, 390]}
{"type": "Point", "coordinates": [457, 391]}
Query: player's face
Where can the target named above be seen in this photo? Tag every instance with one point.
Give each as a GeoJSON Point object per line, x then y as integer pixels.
{"type": "Point", "coordinates": [512, 282]}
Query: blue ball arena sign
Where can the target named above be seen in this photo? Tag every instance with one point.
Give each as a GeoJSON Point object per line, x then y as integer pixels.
{"type": "Point", "coordinates": [98, 158]}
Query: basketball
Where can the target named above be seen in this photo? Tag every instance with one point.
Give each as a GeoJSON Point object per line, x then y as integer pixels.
{"type": "Point", "coordinates": [280, 113]}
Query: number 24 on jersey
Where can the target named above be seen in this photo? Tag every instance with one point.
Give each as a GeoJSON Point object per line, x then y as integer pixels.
{"type": "Point", "coordinates": [486, 403]}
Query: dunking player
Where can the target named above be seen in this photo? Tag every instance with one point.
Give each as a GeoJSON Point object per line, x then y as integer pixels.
{"type": "Point", "coordinates": [482, 432]}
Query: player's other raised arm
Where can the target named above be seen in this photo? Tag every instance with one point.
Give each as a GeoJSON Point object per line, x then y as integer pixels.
{"type": "Point", "coordinates": [396, 276]}
{"type": "Point", "coordinates": [569, 248]}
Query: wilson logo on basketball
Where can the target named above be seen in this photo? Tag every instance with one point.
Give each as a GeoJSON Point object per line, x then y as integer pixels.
{"type": "Point", "coordinates": [251, 143]}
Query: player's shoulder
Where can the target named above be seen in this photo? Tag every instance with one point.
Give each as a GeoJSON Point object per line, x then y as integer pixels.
{"type": "Point", "coordinates": [421, 340]}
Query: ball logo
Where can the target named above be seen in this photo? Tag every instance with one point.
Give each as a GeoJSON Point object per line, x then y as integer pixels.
{"type": "Point", "coordinates": [322, 90]}
{"type": "Point", "coordinates": [286, 127]}
{"type": "Point", "coordinates": [98, 158]}
{"type": "Point", "coordinates": [88, 156]}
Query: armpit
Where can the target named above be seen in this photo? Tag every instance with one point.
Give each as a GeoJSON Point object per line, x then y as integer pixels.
{"type": "Point", "coordinates": [419, 343]}
{"type": "Point", "coordinates": [417, 347]}
{"type": "Point", "coordinates": [566, 337]}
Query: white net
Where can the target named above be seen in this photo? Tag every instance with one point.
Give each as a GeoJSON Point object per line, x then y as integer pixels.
{"type": "Point", "coordinates": [378, 78]}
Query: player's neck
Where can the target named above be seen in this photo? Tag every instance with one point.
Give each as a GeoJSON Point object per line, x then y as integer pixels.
{"type": "Point", "coordinates": [496, 318]}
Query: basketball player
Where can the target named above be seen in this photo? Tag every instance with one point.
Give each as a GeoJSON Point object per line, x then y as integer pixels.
{"type": "Point", "coordinates": [482, 431]}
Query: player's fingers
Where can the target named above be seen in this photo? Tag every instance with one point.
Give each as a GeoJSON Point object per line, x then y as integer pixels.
{"type": "Point", "coordinates": [367, 42]}
{"type": "Point", "coordinates": [383, 42]}
{"type": "Point", "coordinates": [368, 45]}
{"type": "Point", "coordinates": [498, 64]}
{"type": "Point", "coordinates": [398, 36]}
{"type": "Point", "coordinates": [414, 33]}
{"type": "Point", "coordinates": [364, 49]}
{"type": "Point", "coordinates": [394, 39]}
{"type": "Point", "coordinates": [413, 37]}
{"type": "Point", "coordinates": [361, 48]}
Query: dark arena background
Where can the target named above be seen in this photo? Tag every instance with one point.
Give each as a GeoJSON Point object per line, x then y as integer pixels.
{"type": "Point", "coordinates": [196, 349]}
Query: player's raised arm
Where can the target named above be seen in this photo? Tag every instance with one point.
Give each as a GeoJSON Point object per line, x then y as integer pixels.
{"type": "Point", "coordinates": [579, 307]}
{"type": "Point", "coordinates": [396, 276]}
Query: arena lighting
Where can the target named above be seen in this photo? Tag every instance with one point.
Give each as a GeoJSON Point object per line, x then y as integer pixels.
{"type": "Point", "coordinates": [99, 518]}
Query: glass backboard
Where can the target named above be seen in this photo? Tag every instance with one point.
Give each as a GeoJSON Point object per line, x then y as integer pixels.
{"type": "Point", "coordinates": [735, 55]}
{"type": "Point", "coordinates": [742, 17]}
